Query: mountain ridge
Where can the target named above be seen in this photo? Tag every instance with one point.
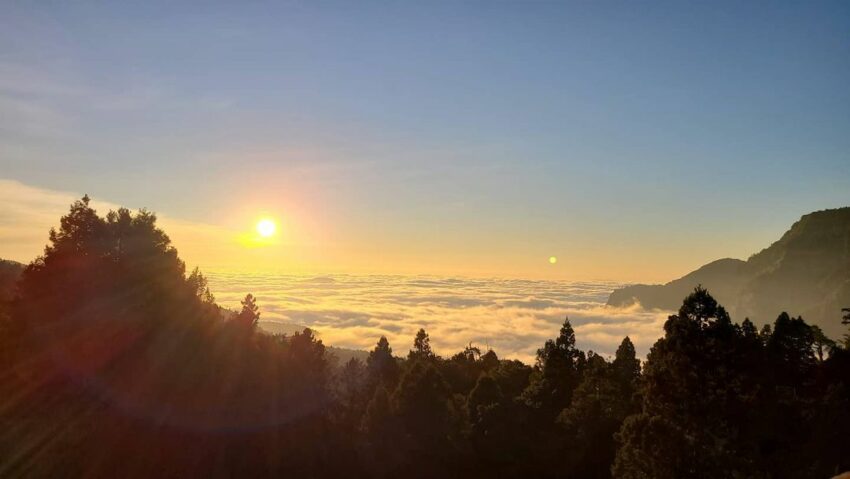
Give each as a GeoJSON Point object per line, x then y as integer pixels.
{"type": "Point", "coordinates": [805, 272]}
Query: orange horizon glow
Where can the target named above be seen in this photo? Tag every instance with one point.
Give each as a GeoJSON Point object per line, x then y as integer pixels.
{"type": "Point", "coordinates": [306, 239]}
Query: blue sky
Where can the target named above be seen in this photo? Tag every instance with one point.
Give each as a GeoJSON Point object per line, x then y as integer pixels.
{"type": "Point", "coordinates": [632, 140]}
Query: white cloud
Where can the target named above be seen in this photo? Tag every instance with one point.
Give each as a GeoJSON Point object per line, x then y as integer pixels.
{"type": "Point", "coordinates": [514, 317]}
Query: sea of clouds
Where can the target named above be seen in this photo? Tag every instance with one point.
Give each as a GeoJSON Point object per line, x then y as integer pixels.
{"type": "Point", "coordinates": [513, 317]}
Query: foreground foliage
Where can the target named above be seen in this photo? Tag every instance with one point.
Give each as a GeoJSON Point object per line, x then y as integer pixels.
{"type": "Point", "coordinates": [116, 362]}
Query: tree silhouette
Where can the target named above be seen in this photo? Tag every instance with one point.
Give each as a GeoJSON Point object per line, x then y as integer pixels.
{"type": "Point", "coordinates": [600, 404]}
{"type": "Point", "coordinates": [485, 395]}
{"type": "Point", "coordinates": [421, 403]}
{"type": "Point", "coordinates": [559, 365]}
{"type": "Point", "coordinates": [821, 343]}
{"type": "Point", "coordinates": [694, 389]}
{"type": "Point", "coordinates": [421, 347]}
{"type": "Point", "coordinates": [250, 313]}
{"type": "Point", "coordinates": [791, 346]}
{"type": "Point", "coordinates": [462, 370]}
{"type": "Point", "coordinates": [557, 373]}
{"type": "Point", "coordinates": [350, 387]}
{"type": "Point", "coordinates": [489, 360]}
{"type": "Point", "coordinates": [381, 366]}
{"type": "Point", "coordinates": [116, 361]}
{"type": "Point", "coordinates": [130, 355]}
{"type": "Point", "coordinates": [626, 366]}
{"type": "Point", "coordinates": [845, 319]}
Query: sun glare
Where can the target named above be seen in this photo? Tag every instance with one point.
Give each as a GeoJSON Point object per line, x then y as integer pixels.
{"type": "Point", "coordinates": [266, 228]}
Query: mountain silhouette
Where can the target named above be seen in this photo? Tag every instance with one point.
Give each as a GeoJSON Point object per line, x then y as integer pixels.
{"type": "Point", "coordinates": [806, 272]}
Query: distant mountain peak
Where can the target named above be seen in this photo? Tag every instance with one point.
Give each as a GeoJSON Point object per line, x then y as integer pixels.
{"type": "Point", "coordinates": [806, 272]}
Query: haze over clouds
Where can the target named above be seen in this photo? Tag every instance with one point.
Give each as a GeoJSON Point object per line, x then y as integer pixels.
{"type": "Point", "coordinates": [634, 144]}
{"type": "Point", "coordinates": [514, 317]}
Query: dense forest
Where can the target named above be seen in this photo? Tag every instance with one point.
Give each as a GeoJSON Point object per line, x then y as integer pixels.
{"type": "Point", "coordinates": [117, 362]}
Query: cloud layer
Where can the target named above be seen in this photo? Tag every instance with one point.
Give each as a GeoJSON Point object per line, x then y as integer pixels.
{"type": "Point", "coordinates": [514, 317]}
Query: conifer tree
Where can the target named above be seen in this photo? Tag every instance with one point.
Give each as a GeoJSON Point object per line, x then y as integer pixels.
{"type": "Point", "coordinates": [381, 366]}
{"type": "Point", "coordinates": [694, 387]}
{"type": "Point", "coordinates": [559, 365]}
{"type": "Point", "coordinates": [250, 313]}
{"type": "Point", "coordinates": [421, 347]}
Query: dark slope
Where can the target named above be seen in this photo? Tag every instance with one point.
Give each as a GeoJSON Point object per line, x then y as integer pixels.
{"type": "Point", "coordinates": [10, 271]}
{"type": "Point", "coordinates": [806, 272]}
{"type": "Point", "coordinates": [723, 278]}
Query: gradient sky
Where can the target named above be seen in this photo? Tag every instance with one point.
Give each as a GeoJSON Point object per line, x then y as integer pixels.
{"type": "Point", "coordinates": [633, 140]}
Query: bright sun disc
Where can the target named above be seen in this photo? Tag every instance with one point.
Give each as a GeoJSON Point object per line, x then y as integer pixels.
{"type": "Point", "coordinates": [266, 228]}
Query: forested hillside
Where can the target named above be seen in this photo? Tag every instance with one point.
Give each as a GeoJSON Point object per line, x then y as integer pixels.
{"type": "Point", "coordinates": [117, 362]}
{"type": "Point", "coordinates": [10, 271]}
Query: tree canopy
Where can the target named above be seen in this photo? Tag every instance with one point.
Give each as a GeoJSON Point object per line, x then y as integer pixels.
{"type": "Point", "coordinates": [117, 362]}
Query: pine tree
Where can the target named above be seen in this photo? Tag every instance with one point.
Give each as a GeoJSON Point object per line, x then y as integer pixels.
{"type": "Point", "coordinates": [822, 344]}
{"type": "Point", "coordinates": [559, 365]}
{"type": "Point", "coordinates": [381, 366]}
{"type": "Point", "coordinates": [599, 405]}
{"type": "Point", "coordinates": [421, 402]}
{"type": "Point", "coordinates": [421, 347]}
{"type": "Point", "coordinates": [626, 366]}
{"type": "Point", "coordinates": [696, 384]}
{"type": "Point", "coordinates": [377, 420]}
{"type": "Point", "coordinates": [485, 395]}
{"type": "Point", "coordinates": [250, 314]}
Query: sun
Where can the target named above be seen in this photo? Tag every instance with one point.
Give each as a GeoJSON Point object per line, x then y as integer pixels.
{"type": "Point", "coordinates": [266, 228]}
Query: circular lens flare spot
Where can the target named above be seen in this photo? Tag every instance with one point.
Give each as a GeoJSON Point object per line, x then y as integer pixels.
{"type": "Point", "coordinates": [266, 228]}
